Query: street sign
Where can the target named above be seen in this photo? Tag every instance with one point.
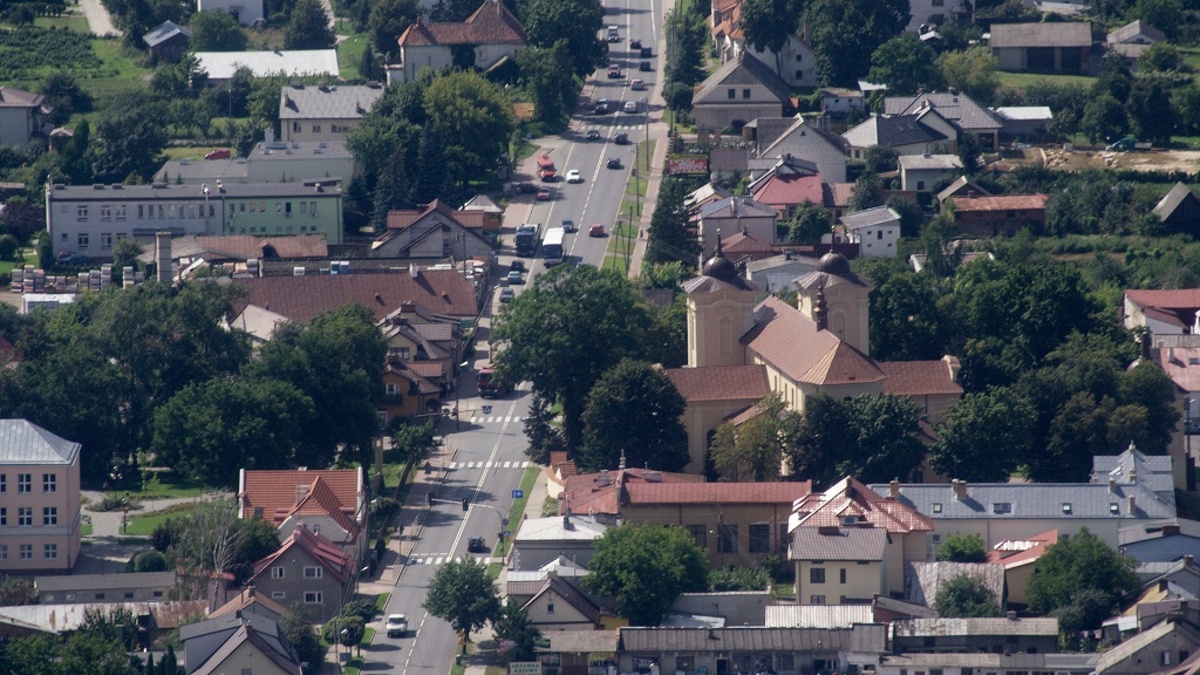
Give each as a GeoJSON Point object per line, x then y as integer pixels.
{"type": "Point", "coordinates": [518, 494]}
{"type": "Point", "coordinates": [525, 668]}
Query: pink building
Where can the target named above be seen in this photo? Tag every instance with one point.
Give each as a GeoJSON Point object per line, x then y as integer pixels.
{"type": "Point", "coordinates": [39, 499]}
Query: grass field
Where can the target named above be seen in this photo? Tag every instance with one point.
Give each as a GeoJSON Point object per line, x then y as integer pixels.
{"type": "Point", "coordinates": [349, 53]}
{"type": "Point", "coordinates": [70, 21]}
{"type": "Point", "coordinates": [28, 257]}
{"type": "Point", "coordinates": [1022, 80]}
{"type": "Point", "coordinates": [143, 526]}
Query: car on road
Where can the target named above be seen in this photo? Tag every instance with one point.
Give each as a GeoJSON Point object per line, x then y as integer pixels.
{"type": "Point", "coordinates": [569, 225]}
{"type": "Point", "coordinates": [614, 34]}
{"type": "Point", "coordinates": [602, 104]}
{"type": "Point", "coordinates": [614, 71]}
{"type": "Point", "coordinates": [613, 163]}
{"type": "Point", "coordinates": [593, 135]}
{"type": "Point", "coordinates": [646, 52]}
{"type": "Point", "coordinates": [645, 66]}
{"type": "Point", "coordinates": [476, 545]}
{"type": "Point", "coordinates": [631, 106]}
{"type": "Point", "coordinates": [507, 295]}
{"type": "Point", "coordinates": [635, 44]}
{"type": "Point", "coordinates": [515, 277]}
{"type": "Point", "coordinates": [621, 139]}
{"type": "Point", "coordinates": [637, 84]}
{"type": "Point", "coordinates": [397, 625]}
{"type": "Point", "coordinates": [544, 195]}
{"type": "Point", "coordinates": [518, 265]}
{"type": "Point", "coordinates": [573, 176]}
{"type": "Point", "coordinates": [596, 230]}
{"type": "Point", "coordinates": [220, 153]}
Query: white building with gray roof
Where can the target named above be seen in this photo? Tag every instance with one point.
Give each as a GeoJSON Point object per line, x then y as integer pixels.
{"type": "Point", "coordinates": [325, 112]}
{"type": "Point", "coordinates": [876, 231]}
{"type": "Point", "coordinates": [221, 66]}
{"type": "Point", "coordinates": [539, 541]}
{"type": "Point", "coordinates": [269, 162]}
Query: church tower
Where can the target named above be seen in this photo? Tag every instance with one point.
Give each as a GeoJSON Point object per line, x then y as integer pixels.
{"type": "Point", "coordinates": [720, 305]}
{"type": "Point", "coordinates": [838, 299]}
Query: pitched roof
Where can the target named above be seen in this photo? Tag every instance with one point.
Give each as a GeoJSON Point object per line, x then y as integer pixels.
{"type": "Point", "coordinates": [919, 378]}
{"type": "Point", "coordinates": [492, 23]}
{"type": "Point", "coordinates": [1145, 640]}
{"type": "Point", "coordinates": [1020, 552]}
{"type": "Point", "coordinates": [72, 616]}
{"type": "Point", "coordinates": [1157, 530]}
{"type": "Point", "coordinates": [998, 203]}
{"type": "Point", "coordinates": [862, 544]}
{"type": "Point", "coordinates": [165, 31]}
{"type": "Point", "coordinates": [979, 626]}
{"type": "Point", "coordinates": [961, 183]}
{"type": "Point", "coordinates": [850, 499]}
{"type": "Point", "coordinates": [956, 107]}
{"type": "Point", "coordinates": [743, 245]}
{"type": "Point", "coordinates": [276, 649]}
{"type": "Point", "coordinates": [877, 215]}
{"type": "Point", "coordinates": [1134, 29]}
{"type": "Point", "coordinates": [790, 342]}
{"type": "Point", "coordinates": [570, 595]}
{"type": "Point", "coordinates": [891, 131]}
{"type": "Point", "coordinates": [25, 443]}
{"type": "Point", "coordinates": [264, 63]}
{"type": "Point", "coordinates": [583, 641]}
{"type": "Point", "coordinates": [785, 492]}
{"type": "Point", "coordinates": [789, 190]}
{"type": "Point", "coordinates": [207, 644]}
{"type": "Point", "coordinates": [804, 127]}
{"type": "Point", "coordinates": [11, 97]}
{"type": "Point", "coordinates": [860, 638]}
{"type": "Point", "coordinates": [1175, 197]}
{"type": "Point", "coordinates": [275, 492]}
{"type": "Point", "coordinates": [302, 298]}
{"type": "Point", "coordinates": [935, 162]}
{"type": "Point", "coordinates": [243, 247]}
{"type": "Point", "coordinates": [923, 580]}
{"type": "Point", "coordinates": [720, 383]}
{"type": "Point", "coordinates": [320, 500]}
{"type": "Point", "coordinates": [100, 582]}
{"type": "Point", "coordinates": [1041, 501]}
{"type": "Point", "coordinates": [818, 616]}
{"type": "Point", "coordinates": [327, 102]}
{"type": "Point", "coordinates": [736, 207]}
{"type": "Point", "coordinates": [246, 599]}
{"type": "Point", "coordinates": [593, 493]}
{"type": "Point", "coordinates": [1056, 34]}
{"type": "Point", "coordinates": [336, 561]}
{"type": "Point", "coordinates": [746, 70]}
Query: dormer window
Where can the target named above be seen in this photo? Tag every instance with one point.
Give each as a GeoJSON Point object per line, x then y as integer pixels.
{"type": "Point", "coordinates": [849, 520]}
{"type": "Point", "coordinates": [1001, 507]}
{"type": "Point", "coordinates": [937, 507]}
{"type": "Point", "coordinates": [1114, 509]}
{"type": "Point", "coordinates": [1066, 508]}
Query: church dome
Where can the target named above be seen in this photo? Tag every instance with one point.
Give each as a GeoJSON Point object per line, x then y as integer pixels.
{"type": "Point", "coordinates": [718, 266]}
{"type": "Point", "coordinates": [834, 263]}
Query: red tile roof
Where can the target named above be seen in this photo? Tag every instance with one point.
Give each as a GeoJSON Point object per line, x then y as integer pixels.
{"type": "Point", "coordinates": [999, 203]}
{"type": "Point", "coordinates": [275, 492]}
{"type": "Point", "coordinates": [919, 378]}
{"type": "Point", "coordinates": [302, 298]}
{"type": "Point", "coordinates": [1183, 298]}
{"type": "Point", "coordinates": [649, 494]}
{"type": "Point", "coordinates": [400, 220]}
{"type": "Point", "coordinates": [321, 501]}
{"type": "Point", "coordinates": [1018, 552]}
{"type": "Point", "coordinates": [790, 190]}
{"type": "Point", "coordinates": [492, 23]}
{"type": "Point", "coordinates": [837, 195]}
{"type": "Point", "coordinates": [850, 498]}
{"type": "Point", "coordinates": [742, 245]}
{"type": "Point", "coordinates": [321, 550]}
{"type": "Point", "coordinates": [721, 383]}
{"type": "Point", "coordinates": [587, 493]}
{"type": "Point", "coordinates": [245, 599]}
{"type": "Point", "coordinates": [790, 341]}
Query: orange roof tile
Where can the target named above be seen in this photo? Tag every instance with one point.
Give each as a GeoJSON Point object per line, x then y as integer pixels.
{"type": "Point", "coordinates": [790, 190]}
{"type": "Point", "coordinates": [321, 500]}
{"type": "Point", "coordinates": [647, 494]}
{"type": "Point", "coordinates": [919, 378]}
{"type": "Point", "coordinates": [999, 203]}
{"type": "Point", "coordinates": [1018, 552]}
{"type": "Point", "coordinates": [850, 498]}
{"type": "Point", "coordinates": [492, 23]}
{"type": "Point", "coordinates": [274, 492]}
{"type": "Point", "coordinates": [587, 493]}
{"type": "Point", "coordinates": [245, 599]}
{"type": "Point", "coordinates": [320, 549]}
{"type": "Point", "coordinates": [720, 383]}
{"type": "Point", "coordinates": [790, 341]}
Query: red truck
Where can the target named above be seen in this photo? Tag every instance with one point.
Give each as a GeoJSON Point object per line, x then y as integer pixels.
{"type": "Point", "coordinates": [546, 170]}
{"type": "Point", "coordinates": [491, 386]}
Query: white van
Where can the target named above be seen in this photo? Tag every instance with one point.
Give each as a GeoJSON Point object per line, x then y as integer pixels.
{"type": "Point", "coordinates": [614, 34]}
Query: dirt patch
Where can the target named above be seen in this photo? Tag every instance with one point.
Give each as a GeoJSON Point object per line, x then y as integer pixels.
{"type": "Point", "coordinates": [1155, 160]}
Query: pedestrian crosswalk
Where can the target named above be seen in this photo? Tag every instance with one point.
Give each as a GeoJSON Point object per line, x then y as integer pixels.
{"type": "Point", "coordinates": [439, 560]}
{"type": "Point", "coordinates": [495, 419]}
{"type": "Point", "coordinates": [490, 465]}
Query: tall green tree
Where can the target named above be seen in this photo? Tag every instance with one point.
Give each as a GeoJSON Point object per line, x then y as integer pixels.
{"type": "Point", "coordinates": [1081, 565]}
{"type": "Point", "coordinates": [578, 22]}
{"type": "Point", "coordinates": [646, 567]}
{"type": "Point", "coordinates": [513, 625]}
{"type": "Point", "coordinates": [217, 32]}
{"type": "Point", "coordinates": [388, 20]}
{"type": "Point", "coordinates": [462, 593]}
{"type": "Point", "coordinates": [832, 439]}
{"type": "Point", "coordinates": [1149, 108]}
{"type": "Point", "coordinates": [64, 97]}
{"type": "Point", "coordinates": [752, 451]}
{"type": "Point", "coordinates": [476, 122]}
{"type": "Point", "coordinates": [1104, 119]}
{"type": "Point", "coordinates": [808, 224]}
{"type": "Point", "coordinates": [547, 77]}
{"type": "Point", "coordinates": [128, 143]}
{"type": "Point", "coordinates": [544, 437]}
{"type": "Point", "coordinates": [769, 24]}
{"type": "Point", "coordinates": [965, 596]}
{"type": "Point", "coordinates": [906, 322]}
{"type": "Point", "coordinates": [843, 55]}
{"type": "Point", "coordinates": [308, 27]}
{"type": "Point", "coordinates": [634, 411]}
{"type": "Point", "coordinates": [973, 72]}
{"type": "Point", "coordinates": [985, 437]}
{"type": "Point", "coordinates": [905, 64]}
{"type": "Point", "coordinates": [963, 548]}
{"type": "Point", "coordinates": [687, 41]}
{"type": "Point", "coordinates": [668, 239]}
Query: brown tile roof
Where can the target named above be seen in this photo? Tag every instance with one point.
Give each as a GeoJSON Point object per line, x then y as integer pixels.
{"type": "Point", "coordinates": [1183, 298]}
{"type": "Point", "coordinates": [246, 598]}
{"type": "Point", "coordinates": [433, 370]}
{"type": "Point", "coordinates": [850, 498]}
{"type": "Point", "coordinates": [1018, 552]}
{"type": "Point", "coordinates": [999, 203]}
{"type": "Point", "coordinates": [645, 494]}
{"type": "Point", "coordinates": [245, 246]}
{"type": "Point", "coordinates": [302, 298]}
{"type": "Point", "coordinates": [569, 594]}
{"type": "Point", "coordinates": [405, 371]}
{"type": "Point", "coordinates": [320, 549]}
{"type": "Point", "coordinates": [585, 493]}
{"type": "Point", "coordinates": [837, 195]}
{"type": "Point", "coordinates": [919, 378]}
{"type": "Point", "coordinates": [275, 491]}
{"type": "Point", "coordinates": [403, 219]}
{"type": "Point", "coordinates": [492, 23]}
{"type": "Point", "coordinates": [743, 245]}
{"type": "Point", "coordinates": [720, 383]}
{"type": "Point", "coordinates": [790, 341]}
{"type": "Point", "coordinates": [19, 98]}
{"type": "Point", "coordinates": [321, 501]}
{"type": "Point", "coordinates": [790, 190]}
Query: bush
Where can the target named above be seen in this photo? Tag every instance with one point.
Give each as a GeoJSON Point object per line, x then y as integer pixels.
{"type": "Point", "coordinates": [363, 609]}
{"type": "Point", "coordinates": [147, 561]}
{"type": "Point", "coordinates": [8, 247]}
{"type": "Point", "coordinates": [733, 578]}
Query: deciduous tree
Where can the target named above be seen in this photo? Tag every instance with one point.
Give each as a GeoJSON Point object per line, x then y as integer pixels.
{"type": "Point", "coordinates": [1082, 564]}
{"type": "Point", "coordinates": [578, 22]}
{"type": "Point", "coordinates": [973, 72]}
{"type": "Point", "coordinates": [633, 410]}
{"type": "Point", "coordinates": [962, 548]}
{"type": "Point", "coordinates": [217, 32]}
{"type": "Point", "coordinates": [985, 437]}
{"type": "Point", "coordinates": [965, 596]}
{"type": "Point", "coordinates": [905, 64]}
{"type": "Point", "coordinates": [513, 626]}
{"type": "Point", "coordinates": [308, 27]}
{"type": "Point", "coordinates": [845, 55]}
{"type": "Point", "coordinates": [768, 24]}
{"type": "Point", "coordinates": [461, 593]}
{"type": "Point", "coordinates": [646, 567]}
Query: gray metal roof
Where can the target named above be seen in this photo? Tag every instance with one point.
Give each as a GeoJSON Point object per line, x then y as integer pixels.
{"type": "Point", "coordinates": [860, 638]}
{"type": "Point", "coordinates": [265, 63]}
{"type": "Point", "coordinates": [165, 31]}
{"type": "Point", "coordinates": [203, 639]}
{"type": "Point", "coordinates": [333, 102]}
{"type": "Point", "coordinates": [1136, 29]}
{"type": "Point", "coordinates": [891, 131]}
{"type": "Point", "coordinates": [818, 616]}
{"type": "Point", "coordinates": [878, 215]}
{"type": "Point", "coordinates": [1056, 34]}
{"type": "Point", "coordinates": [732, 207]}
{"type": "Point", "coordinates": [1033, 501]}
{"type": "Point", "coordinates": [281, 151]}
{"type": "Point", "coordinates": [23, 442]}
{"type": "Point", "coordinates": [918, 162]}
{"type": "Point", "coordinates": [1152, 472]}
{"type": "Point", "coordinates": [981, 626]}
{"type": "Point", "coordinates": [582, 641]}
{"type": "Point", "coordinates": [738, 72]}
{"type": "Point", "coordinates": [203, 169]}
{"type": "Point", "coordinates": [1020, 661]}
{"type": "Point", "coordinates": [1154, 530]}
{"type": "Point", "coordinates": [1172, 200]}
{"type": "Point", "coordinates": [864, 544]}
{"type": "Point", "coordinates": [100, 582]}
{"type": "Point", "coordinates": [580, 528]}
{"type": "Point", "coordinates": [129, 193]}
{"type": "Point", "coordinates": [956, 107]}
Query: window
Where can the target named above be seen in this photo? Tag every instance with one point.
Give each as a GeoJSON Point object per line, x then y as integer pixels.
{"type": "Point", "coordinates": [50, 551]}
{"type": "Point", "coordinates": [1066, 507]}
{"type": "Point", "coordinates": [49, 515]}
{"type": "Point", "coordinates": [937, 507]}
{"type": "Point", "coordinates": [3, 483]}
{"type": "Point", "coordinates": [121, 213]}
{"type": "Point", "coordinates": [920, 185]}
{"type": "Point", "coordinates": [81, 213]}
{"type": "Point", "coordinates": [842, 575]}
{"type": "Point", "coordinates": [24, 483]}
{"type": "Point", "coordinates": [938, 3]}
{"type": "Point", "coordinates": [727, 538]}
{"type": "Point", "coordinates": [699, 535]}
{"type": "Point", "coordinates": [141, 211]}
{"type": "Point", "coordinates": [26, 551]}
{"type": "Point", "coordinates": [760, 538]}
{"type": "Point", "coordinates": [783, 538]}
{"type": "Point", "coordinates": [99, 596]}
{"type": "Point", "coordinates": [277, 573]}
{"type": "Point", "coordinates": [296, 127]}
{"type": "Point", "coordinates": [799, 74]}
{"type": "Point", "coordinates": [313, 572]}
{"type": "Point", "coordinates": [105, 240]}
{"type": "Point", "coordinates": [799, 58]}
{"type": "Point", "coordinates": [1113, 509]}
{"type": "Point", "coordinates": [1166, 658]}
{"type": "Point", "coordinates": [105, 212]}
{"type": "Point", "coordinates": [1001, 507]}
{"type": "Point", "coordinates": [303, 207]}
{"type": "Point", "coordinates": [745, 93]}
{"type": "Point", "coordinates": [732, 94]}
{"type": "Point", "coordinates": [278, 595]}
{"type": "Point", "coordinates": [316, 128]}
{"type": "Point", "coordinates": [25, 516]}
{"type": "Point", "coordinates": [3, 517]}
{"type": "Point", "coordinates": [83, 240]}
{"type": "Point", "coordinates": [785, 662]}
{"type": "Point", "coordinates": [49, 482]}
{"type": "Point", "coordinates": [549, 607]}
{"type": "Point", "coordinates": [313, 597]}
{"type": "Point", "coordinates": [816, 599]}
{"type": "Point", "coordinates": [816, 575]}
{"type": "Point", "coordinates": [128, 595]}
{"type": "Point", "coordinates": [158, 594]}
{"type": "Point", "coordinates": [3, 551]}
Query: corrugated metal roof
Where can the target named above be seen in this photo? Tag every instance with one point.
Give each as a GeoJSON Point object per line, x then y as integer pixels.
{"type": "Point", "coordinates": [861, 638]}
{"type": "Point", "coordinates": [818, 616]}
{"type": "Point", "coordinates": [978, 626]}
{"type": "Point", "coordinates": [69, 617]}
{"type": "Point", "coordinates": [862, 544]}
{"type": "Point", "coordinates": [101, 582]}
{"type": "Point", "coordinates": [25, 443]}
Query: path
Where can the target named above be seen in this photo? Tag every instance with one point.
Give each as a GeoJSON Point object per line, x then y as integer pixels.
{"type": "Point", "coordinates": [99, 20]}
{"type": "Point", "coordinates": [107, 524]}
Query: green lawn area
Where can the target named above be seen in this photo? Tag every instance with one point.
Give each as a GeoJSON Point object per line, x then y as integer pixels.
{"type": "Point", "coordinates": [85, 530]}
{"type": "Point", "coordinates": [142, 526]}
{"type": "Point", "coordinates": [168, 486]}
{"type": "Point", "coordinates": [1022, 80]}
{"type": "Point", "coordinates": [72, 21]}
{"type": "Point", "coordinates": [126, 75]}
{"type": "Point", "coordinates": [350, 53]}
{"type": "Point", "coordinates": [196, 152]}
{"type": "Point", "coordinates": [31, 258]}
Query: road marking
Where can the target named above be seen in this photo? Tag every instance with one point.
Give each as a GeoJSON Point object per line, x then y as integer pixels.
{"type": "Point", "coordinates": [510, 464]}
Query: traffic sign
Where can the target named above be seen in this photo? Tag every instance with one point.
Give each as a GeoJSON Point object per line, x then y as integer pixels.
{"type": "Point", "coordinates": [518, 494]}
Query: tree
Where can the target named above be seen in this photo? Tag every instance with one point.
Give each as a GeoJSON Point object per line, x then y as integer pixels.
{"type": "Point", "coordinates": [476, 122]}
{"type": "Point", "coordinates": [125, 253]}
{"type": "Point", "coordinates": [867, 193]}
{"type": "Point", "coordinates": [8, 247]}
{"type": "Point", "coordinates": [843, 55]}
{"type": "Point", "coordinates": [413, 441]}
{"type": "Point", "coordinates": [128, 143]}
{"type": "Point", "coordinates": [646, 567]}
{"type": "Point", "coordinates": [881, 158]}
{"type": "Point", "coordinates": [965, 596]}
{"type": "Point", "coordinates": [831, 438]}
{"type": "Point", "coordinates": [1149, 109]}
{"type": "Point", "coordinates": [547, 76]}
{"type": "Point", "coordinates": [962, 548]}
{"type": "Point", "coordinates": [809, 222]}
{"type": "Point", "coordinates": [308, 27]}
{"type": "Point", "coordinates": [668, 239]}
{"type": "Point", "coordinates": [149, 561]}
{"type": "Point", "coordinates": [513, 626]}
{"type": "Point", "coordinates": [578, 22]}
{"type": "Point", "coordinates": [906, 323]}
{"type": "Point", "coordinates": [633, 411]}
{"type": "Point", "coordinates": [216, 32]}
{"type": "Point", "coordinates": [985, 436]}
{"type": "Point", "coordinates": [1115, 79]}
{"type": "Point", "coordinates": [1166, 15]}
{"type": "Point", "coordinates": [64, 97]}
{"type": "Point", "coordinates": [752, 451]}
{"type": "Point", "coordinates": [297, 627]}
{"type": "Point", "coordinates": [973, 72]}
{"type": "Point", "coordinates": [544, 437]}
{"type": "Point", "coordinates": [905, 64]}
{"type": "Point", "coordinates": [1160, 57]}
{"type": "Point", "coordinates": [769, 24]}
{"type": "Point", "coordinates": [1082, 564]}
{"type": "Point", "coordinates": [345, 629]}
{"type": "Point", "coordinates": [687, 43]}
{"type": "Point", "coordinates": [388, 20]}
{"type": "Point", "coordinates": [462, 593]}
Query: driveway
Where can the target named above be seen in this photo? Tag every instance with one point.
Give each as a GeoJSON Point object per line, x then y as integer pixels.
{"type": "Point", "coordinates": [99, 20]}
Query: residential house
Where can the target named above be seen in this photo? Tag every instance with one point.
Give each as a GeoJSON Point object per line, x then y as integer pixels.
{"type": "Point", "coordinates": [807, 140]}
{"type": "Point", "coordinates": [88, 219]}
{"type": "Point", "coordinates": [599, 494]}
{"type": "Point", "coordinates": [434, 231]}
{"type": "Point", "coordinates": [925, 13]}
{"type": "Point", "coordinates": [539, 541]}
{"type": "Point", "coordinates": [22, 116]}
{"type": "Point", "coordinates": [787, 186]}
{"type": "Point", "coordinates": [967, 663]}
{"type": "Point", "coordinates": [738, 214]}
{"type": "Point", "coordinates": [245, 12]}
{"type": "Point", "coordinates": [1002, 635]}
{"type": "Point", "coordinates": [522, 585]}
{"type": "Point", "coordinates": [237, 644]}
{"type": "Point", "coordinates": [1179, 210]}
{"type": "Point", "coordinates": [955, 107]}
{"type": "Point", "coordinates": [484, 208]}
{"type": "Point", "coordinates": [329, 502]}
{"type": "Point", "coordinates": [410, 390]}
{"type": "Point", "coordinates": [1175, 350]}
{"type": "Point", "coordinates": [489, 37]}
{"type": "Point", "coordinates": [1166, 644]}
{"type": "Point", "coordinates": [168, 42]}
{"type": "Point", "coordinates": [127, 587]}
{"type": "Point", "coordinates": [921, 172]}
{"type": "Point", "coordinates": [703, 195]}
{"type": "Point", "coordinates": [836, 198]}
{"type": "Point", "coordinates": [923, 580]}
{"type": "Point", "coordinates": [848, 523]}
{"type": "Point", "coordinates": [992, 216]}
{"type": "Point", "coordinates": [309, 569]}
{"type": "Point", "coordinates": [325, 112]}
{"type": "Point", "coordinates": [963, 187]}
{"type": "Point", "coordinates": [932, 386]}
{"type": "Point", "coordinates": [744, 249]}
{"type": "Point", "coordinates": [1133, 39]}
{"type": "Point", "coordinates": [271, 161]}
{"type": "Point", "coordinates": [558, 605]}
{"type": "Point", "coordinates": [1136, 488]}
{"type": "Point", "coordinates": [250, 603]}
{"type": "Point", "coordinates": [222, 66]}
{"type": "Point", "coordinates": [1060, 47]}
{"type": "Point", "coordinates": [795, 63]}
{"type": "Point", "coordinates": [750, 649]}
{"type": "Point", "coordinates": [40, 516]}
{"type": "Point", "coordinates": [1018, 557]}
{"type": "Point", "coordinates": [876, 231]}
{"type": "Point", "coordinates": [1166, 541]}
{"type": "Point", "coordinates": [839, 101]}
{"type": "Point", "coordinates": [906, 134]}
{"type": "Point", "coordinates": [1163, 312]}
{"type": "Point", "coordinates": [738, 91]}
{"type": "Point", "coordinates": [423, 352]}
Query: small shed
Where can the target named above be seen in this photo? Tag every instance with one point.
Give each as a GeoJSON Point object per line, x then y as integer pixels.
{"type": "Point", "coordinates": [1179, 210]}
{"type": "Point", "coordinates": [168, 42]}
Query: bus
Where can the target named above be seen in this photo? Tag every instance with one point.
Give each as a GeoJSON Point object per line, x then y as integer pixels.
{"type": "Point", "coordinates": [527, 239]}
{"type": "Point", "coordinates": [552, 246]}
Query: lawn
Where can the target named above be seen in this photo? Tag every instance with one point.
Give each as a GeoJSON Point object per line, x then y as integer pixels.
{"type": "Point", "coordinates": [163, 485]}
{"type": "Point", "coordinates": [1022, 80]}
{"type": "Point", "coordinates": [196, 152]}
{"type": "Point", "coordinates": [7, 266]}
{"type": "Point", "coordinates": [350, 53]}
{"type": "Point", "coordinates": [71, 21]}
{"type": "Point", "coordinates": [143, 526]}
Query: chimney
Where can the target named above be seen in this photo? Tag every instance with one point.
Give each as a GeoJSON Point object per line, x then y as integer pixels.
{"type": "Point", "coordinates": [567, 520]}
{"type": "Point", "coordinates": [1112, 483]}
{"type": "Point", "coordinates": [1132, 504]}
{"type": "Point", "coordinates": [301, 492]}
{"type": "Point", "coordinates": [413, 271]}
{"type": "Point", "coordinates": [1133, 475]}
{"type": "Point", "coordinates": [954, 365]}
{"type": "Point", "coordinates": [960, 488]}
{"type": "Point", "coordinates": [894, 488]}
{"type": "Point", "coordinates": [1189, 560]}
{"type": "Point", "coordinates": [162, 256]}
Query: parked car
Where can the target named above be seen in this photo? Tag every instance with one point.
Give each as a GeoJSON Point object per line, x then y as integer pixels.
{"type": "Point", "coordinates": [544, 195]}
{"type": "Point", "coordinates": [573, 176]}
{"type": "Point", "coordinates": [507, 295]}
{"type": "Point", "coordinates": [646, 52]}
{"type": "Point", "coordinates": [614, 163]}
{"type": "Point", "coordinates": [515, 277]}
{"type": "Point", "coordinates": [596, 230]}
{"type": "Point", "coordinates": [397, 625]}
{"type": "Point", "coordinates": [614, 71]}
{"type": "Point", "coordinates": [631, 106]}
{"type": "Point", "coordinates": [593, 135]}
{"type": "Point", "coordinates": [637, 84]}
{"type": "Point", "coordinates": [635, 44]}
{"type": "Point", "coordinates": [645, 66]}
{"type": "Point", "coordinates": [221, 153]}
{"type": "Point", "coordinates": [526, 188]}
{"type": "Point", "coordinates": [621, 139]}
{"type": "Point", "coordinates": [518, 265]}
{"type": "Point", "coordinates": [476, 545]}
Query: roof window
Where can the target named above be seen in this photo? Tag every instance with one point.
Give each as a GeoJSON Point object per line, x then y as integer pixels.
{"type": "Point", "coordinates": [1001, 507]}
